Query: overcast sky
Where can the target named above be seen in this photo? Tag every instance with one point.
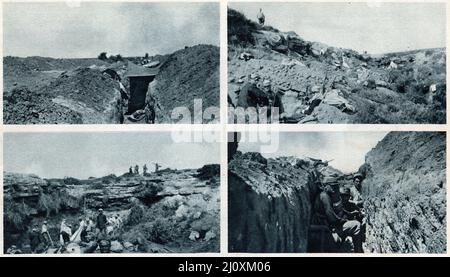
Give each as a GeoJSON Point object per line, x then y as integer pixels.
{"type": "Point", "coordinates": [131, 29]}
{"type": "Point", "coordinates": [82, 155]}
{"type": "Point", "coordinates": [346, 149]}
{"type": "Point", "coordinates": [378, 28]}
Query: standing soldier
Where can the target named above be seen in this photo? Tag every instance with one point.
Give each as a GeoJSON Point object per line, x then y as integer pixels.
{"type": "Point", "coordinates": [355, 190]}
{"type": "Point", "coordinates": [157, 167]}
{"type": "Point", "coordinates": [261, 17]}
{"type": "Point", "coordinates": [149, 110]}
{"type": "Point", "coordinates": [136, 169]}
{"type": "Point", "coordinates": [145, 169]}
{"type": "Point", "coordinates": [101, 221]}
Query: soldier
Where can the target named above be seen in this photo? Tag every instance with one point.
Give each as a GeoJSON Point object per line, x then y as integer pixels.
{"type": "Point", "coordinates": [275, 104]}
{"type": "Point", "coordinates": [261, 17]}
{"type": "Point", "coordinates": [101, 221]}
{"type": "Point", "coordinates": [136, 169]}
{"type": "Point", "coordinates": [329, 211]}
{"type": "Point", "coordinates": [157, 167]}
{"type": "Point", "coordinates": [251, 95]}
{"type": "Point", "coordinates": [46, 234]}
{"type": "Point", "coordinates": [37, 243]}
{"type": "Point", "coordinates": [355, 190]}
{"type": "Point", "coordinates": [145, 169]}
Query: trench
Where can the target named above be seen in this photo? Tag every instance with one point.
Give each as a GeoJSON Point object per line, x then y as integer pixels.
{"type": "Point", "coordinates": [403, 190]}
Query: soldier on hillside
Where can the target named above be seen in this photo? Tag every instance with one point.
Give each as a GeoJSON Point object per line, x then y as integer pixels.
{"type": "Point", "coordinates": [261, 17]}
{"type": "Point", "coordinates": [275, 108]}
{"type": "Point", "coordinates": [145, 169]}
{"type": "Point", "coordinates": [136, 169]}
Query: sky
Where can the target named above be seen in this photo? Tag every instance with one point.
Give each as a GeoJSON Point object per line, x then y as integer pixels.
{"type": "Point", "coordinates": [376, 27]}
{"type": "Point", "coordinates": [61, 30]}
{"type": "Point", "coordinates": [82, 155]}
{"type": "Point", "coordinates": [347, 150]}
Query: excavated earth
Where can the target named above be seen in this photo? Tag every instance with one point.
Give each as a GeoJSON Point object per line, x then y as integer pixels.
{"type": "Point", "coordinates": [46, 90]}
{"type": "Point", "coordinates": [405, 194]}
{"type": "Point", "coordinates": [270, 201]}
{"type": "Point", "coordinates": [185, 201]}
{"type": "Point", "coordinates": [370, 89]}
{"type": "Point", "coordinates": [187, 75]}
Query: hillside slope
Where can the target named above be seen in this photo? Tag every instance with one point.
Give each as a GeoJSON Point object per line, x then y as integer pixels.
{"type": "Point", "coordinates": [407, 87]}
{"type": "Point", "coordinates": [167, 211]}
{"type": "Point", "coordinates": [188, 74]}
{"type": "Point", "coordinates": [405, 194]}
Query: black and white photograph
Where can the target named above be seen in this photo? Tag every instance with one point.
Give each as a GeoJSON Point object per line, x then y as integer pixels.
{"type": "Point", "coordinates": [109, 192]}
{"type": "Point", "coordinates": [337, 192]}
{"type": "Point", "coordinates": [76, 62]}
{"type": "Point", "coordinates": [341, 63]}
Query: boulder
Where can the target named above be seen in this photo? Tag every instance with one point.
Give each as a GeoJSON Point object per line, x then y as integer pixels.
{"type": "Point", "coordinates": [116, 247]}
{"type": "Point", "coordinates": [194, 235]}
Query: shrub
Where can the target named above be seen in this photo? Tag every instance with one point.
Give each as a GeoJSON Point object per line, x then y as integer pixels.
{"type": "Point", "coordinates": [240, 28]}
{"type": "Point", "coordinates": [16, 215]}
{"type": "Point", "coordinates": [135, 216]}
{"type": "Point", "coordinates": [102, 56]}
{"type": "Point", "coordinates": [116, 58]}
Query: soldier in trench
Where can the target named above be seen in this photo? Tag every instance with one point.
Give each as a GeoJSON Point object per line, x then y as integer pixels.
{"type": "Point", "coordinates": [355, 190]}
{"type": "Point", "coordinates": [329, 211]}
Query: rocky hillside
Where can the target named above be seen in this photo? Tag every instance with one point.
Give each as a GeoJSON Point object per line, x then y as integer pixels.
{"type": "Point", "coordinates": [167, 211]}
{"type": "Point", "coordinates": [188, 74]}
{"type": "Point", "coordinates": [407, 87]}
{"type": "Point", "coordinates": [405, 194]}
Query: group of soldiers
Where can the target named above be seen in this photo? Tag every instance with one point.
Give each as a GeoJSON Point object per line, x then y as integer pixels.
{"type": "Point", "coordinates": [340, 208]}
{"type": "Point", "coordinates": [89, 234]}
{"type": "Point", "coordinates": [144, 168]}
{"type": "Point", "coordinates": [261, 96]}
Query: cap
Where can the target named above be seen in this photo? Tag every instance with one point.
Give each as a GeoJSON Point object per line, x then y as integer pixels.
{"type": "Point", "coordinates": [344, 191]}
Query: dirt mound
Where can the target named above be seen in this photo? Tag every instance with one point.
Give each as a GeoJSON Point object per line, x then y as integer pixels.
{"type": "Point", "coordinates": [89, 88]}
{"type": "Point", "coordinates": [188, 74]}
{"type": "Point", "coordinates": [22, 106]}
{"type": "Point", "coordinates": [406, 87]}
{"type": "Point", "coordinates": [405, 193]}
{"type": "Point", "coordinates": [19, 66]}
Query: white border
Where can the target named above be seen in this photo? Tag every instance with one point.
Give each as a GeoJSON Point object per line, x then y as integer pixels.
{"type": "Point", "coordinates": [223, 128]}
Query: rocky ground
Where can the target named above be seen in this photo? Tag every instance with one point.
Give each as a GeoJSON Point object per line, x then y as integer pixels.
{"type": "Point", "coordinates": [74, 91]}
{"type": "Point", "coordinates": [405, 194]}
{"type": "Point", "coordinates": [167, 211]}
{"type": "Point", "coordinates": [270, 201]}
{"type": "Point", "coordinates": [407, 87]}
